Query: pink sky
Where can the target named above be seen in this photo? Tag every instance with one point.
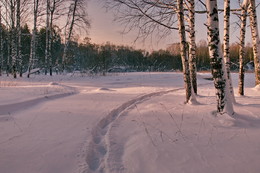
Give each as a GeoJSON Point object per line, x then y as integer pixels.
{"type": "Point", "coordinates": [104, 29]}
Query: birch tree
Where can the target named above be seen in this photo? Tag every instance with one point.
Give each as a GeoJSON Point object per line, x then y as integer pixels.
{"type": "Point", "coordinates": [12, 19]}
{"type": "Point", "coordinates": [8, 40]}
{"type": "Point", "coordinates": [51, 7]}
{"type": "Point", "coordinates": [13, 38]}
{"type": "Point", "coordinates": [1, 43]}
{"type": "Point", "coordinates": [243, 19]}
{"type": "Point", "coordinates": [255, 38]}
{"type": "Point", "coordinates": [226, 49]}
{"type": "Point", "coordinates": [77, 16]}
{"type": "Point", "coordinates": [192, 45]}
{"type": "Point", "coordinates": [47, 41]}
{"type": "Point", "coordinates": [71, 14]}
{"type": "Point", "coordinates": [5, 20]}
{"type": "Point", "coordinates": [54, 5]}
{"type": "Point", "coordinates": [18, 36]}
{"type": "Point", "coordinates": [184, 49]}
{"type": "Point", "coordinates": [216, 57]}
{"type": "Point", "coordinates": [33, 40]}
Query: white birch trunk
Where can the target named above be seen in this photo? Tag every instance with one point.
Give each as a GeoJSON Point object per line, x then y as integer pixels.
{"type": "Point", "coordinates": [33, 40]}
{"type": "Point", "coordinates": [1, 43]}
{"type": "Point", "coordinates": [50, 49]}
{"type": "Point", "coordinates": [68, 38]}
{"type": "Point", "coordinates": [52, 10]}
{"type": "Point", "coordinates": [192, 46]}
{"type": "Point", "coordinates": [8, 63]}
{"type": "Point", "coordinates": [13, 38]}
{"type": "Point", "coordinates": [184, 50]}
{"type": "Point", "coordinates": [216, 57]}
{"type": "Point", "coordinates": [242, 48]}
{"type": "Point", "coordinates": [256, 39]}
{"type": "Point", "coordinates": [53, 6]}
{"type": "Point", "coordinates": [226, 39]}
{"type": "Point", "coordinates": [18, 30]}
{"type": "Point", "coordinates": [47, 41]}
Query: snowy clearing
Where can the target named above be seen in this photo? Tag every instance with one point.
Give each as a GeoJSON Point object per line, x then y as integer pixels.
{"type": "Point", "coordinates": [129, 122]}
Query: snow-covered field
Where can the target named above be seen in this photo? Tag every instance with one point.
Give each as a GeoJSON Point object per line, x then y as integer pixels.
{"type": "Point", "coordinates": [130, 123]}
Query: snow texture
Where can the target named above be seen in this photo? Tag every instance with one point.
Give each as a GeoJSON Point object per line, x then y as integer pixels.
{"type": "Point", "coordinates": [129, 123]}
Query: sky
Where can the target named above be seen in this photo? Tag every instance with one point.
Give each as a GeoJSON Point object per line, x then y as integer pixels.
{"type": "Point", "coordinates": [105, 29]}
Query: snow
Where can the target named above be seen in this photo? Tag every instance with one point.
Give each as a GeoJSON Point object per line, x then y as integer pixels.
{"type": "Point", "coordinates": [129, 122]}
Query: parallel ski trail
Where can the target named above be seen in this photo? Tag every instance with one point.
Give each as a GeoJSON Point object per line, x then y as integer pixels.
{"type": "Point", "coordinates": [98, 149]}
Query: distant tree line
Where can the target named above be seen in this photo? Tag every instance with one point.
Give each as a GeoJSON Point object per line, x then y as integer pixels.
{"type": "Point", "coordinates": [85, 56]}
{"type": "Point", "coordinates": [101, 58]}
{"type": "Point", "coordinates": [202, 54]}
{"type": "Point", "coordinates": [94, 58]}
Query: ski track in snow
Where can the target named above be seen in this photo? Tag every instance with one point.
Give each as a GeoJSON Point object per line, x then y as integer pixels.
{"type": "Point", "coordinates": [98, 156]}
{"type": "Point", "coordinates": [101, 153]}
{"type": "Point", "coordinates": [98, 150]}
{"type": "Point", "coordinates": [6, 110]}
{"type": "Point", "coordinates": [99, 147]}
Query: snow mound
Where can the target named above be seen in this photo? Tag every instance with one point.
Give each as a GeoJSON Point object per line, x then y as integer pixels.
{"type": "Point", "coordinates": [105, 89]}
{"type": "Point", "coordinates": [53, 83]}
{"type": "Point", "coordinates": [226, 120]}
{"type": "Point", "coordinates": [257, 87]}
{"type": "Point", "coordinates": [193, 101]}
